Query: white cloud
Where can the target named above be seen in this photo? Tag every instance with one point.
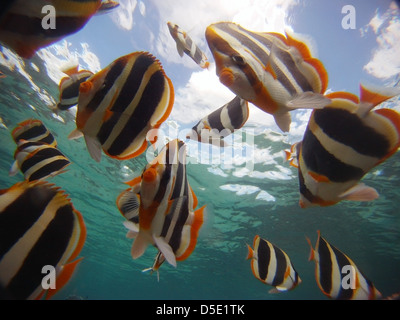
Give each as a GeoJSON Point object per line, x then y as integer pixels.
{"type": "Point", "coordinates": [123, 14]}
{"type": "Point", "coordinates": [385, 61]}
{"type": "Point", "coordinates": [59, 55]}
{"type": "Point", "coordinates": [202, 94]}
{"type": "Point", "coordinates": [142, 8]}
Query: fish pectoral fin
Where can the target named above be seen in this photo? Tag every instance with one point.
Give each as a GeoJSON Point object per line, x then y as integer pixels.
{"type": "Point", "coordinates": [128, 204]}
{"type": "Point", "coordinates": [76, 134]}
{"type": "Point", "coordinates": [308, 100]}
{"type": "Point", "coordinates": [131, 234]}
{"type": "Point", "coordinates": [94, 147]}
{"type": "Point", "coordinates": [360, 192]}
{"type": "Point", "coordinates": [274, 290]}
{"type": "Point", "coordinates": [133, 229]}
{"type": "Point", "coordinates": [283, 121]}
{"type": "Point", "coordinates": [139, 246]}
{"type": "Point", "coordinates": [14, 169]}
{"type": "Point", "coordinates": [180, 49]}
{"type": "Point", "coordinates": [166, 250]}
{"type": "Point", "coordinates": [317, 177]}
{"type": "Point", "coordinates": [63, 277]}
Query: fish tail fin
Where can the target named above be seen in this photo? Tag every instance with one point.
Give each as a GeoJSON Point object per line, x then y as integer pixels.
{"type": "Point", "coordinates": [312, 252]}
{"type": "Point", "coordinates": [65, 275]}
{"type": "Point", "coordinates": [139, 246]}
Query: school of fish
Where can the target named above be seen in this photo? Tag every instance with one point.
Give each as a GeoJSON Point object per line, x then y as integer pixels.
{"type": "Point", "coordinates": [117, 107]}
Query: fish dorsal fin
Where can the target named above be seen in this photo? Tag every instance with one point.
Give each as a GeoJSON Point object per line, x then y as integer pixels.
{"type": "Point", "coordinates": [250, 252]}
{"type": "Point", "coordinates": [375, 96]}
{"type": "Point", "coordinates": [344, 96]}
{"type": "Point", "coordinates": [166, 250]}
{"type": "Point", "coordinates": [360, 192]}
{"type": "Point", "coordinates": [300, 45]}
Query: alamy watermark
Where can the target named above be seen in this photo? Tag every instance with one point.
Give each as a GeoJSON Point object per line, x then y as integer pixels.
{"type": "Point", "coordinates": [49, 20]}
{"type": "Point", "coordinates": [49, 280]}
{"type": "Point", "coordinates": [349, 20]}
{"type": "Point", "coordinates": [349, 278]}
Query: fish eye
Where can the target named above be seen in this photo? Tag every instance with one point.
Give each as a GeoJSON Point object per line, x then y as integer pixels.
{"type": "Point", "coordinates": [238, 59]}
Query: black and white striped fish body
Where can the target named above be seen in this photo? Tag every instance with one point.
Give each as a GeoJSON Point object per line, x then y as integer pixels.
{"type": "Point", "coordinates": [33, 130]}
{"type": "Point", "coordinates": [272, 266]}
{"type": "Point", "coordinates": [337, 275]}
{"type": "Point", "coordinates": [157, 186]}
{"type": "Point", "coordinates": [39, 227]}
{"type": "Point", "coordinates": [119, 105]}
{"type": "Point", "coordinates": [38, 160]}
{"type": "Point", "coordinates": [342, 143]}
{"type": "Point", "coordinates": [276, 73]}
{"type": "Point", "coordinates": [161, 206]}
{"type": "Point", "coordinates": [69, 88]}
{"type": "Point", "coordinates": [221, 122]}
{"type": "Point", "coordinates": [184, 44]}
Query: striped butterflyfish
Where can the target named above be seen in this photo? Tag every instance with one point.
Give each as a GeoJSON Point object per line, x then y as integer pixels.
{"type": "Point", "coordinates": [184, 44]}
{"type": "Point", "coordinates": [275, 72]}
{"type": "Point", "coordinates": [337, 275]}
{"type": "Point", "coordinates": [33, 130]}
{"type": "Point", "coordinates": [27, 26]}
{"type": "Point", "coordinates": [221, 122]}
{"type": "Point", "coordinates": [161, 210]}
{"type": "Point", "coordinates": [69, 88]}
{"type": "Point", "coordinates": [38, 160]}
{"type": "Point", "coordinates": [120, 104]}
{"type": "Point", "coordinates": [342, 143]}
{"type": "Point", "coordinates": [272, 266]}
{"type": "Point", "coordinates": [39, 230]}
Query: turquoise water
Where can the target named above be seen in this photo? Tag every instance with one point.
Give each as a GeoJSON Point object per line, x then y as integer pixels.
{"type": "Point", "coordinates": [239, 206]}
